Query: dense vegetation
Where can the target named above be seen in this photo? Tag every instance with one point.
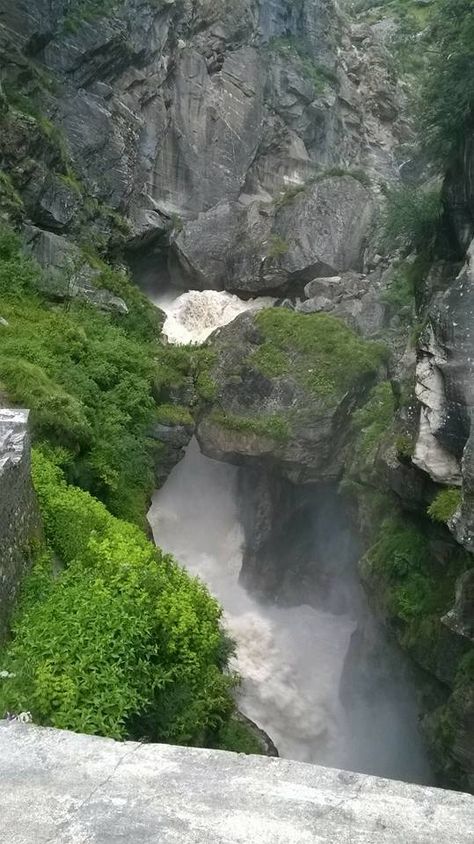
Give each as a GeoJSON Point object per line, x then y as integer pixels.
{"type": "Point", "coordinates": [121, 641]}
{"type": "Point", "coordinates": [447, 102]}
{"type": "Point", "coordinates": [118, 640]}
{"type": "Point", "coordinates": [87, 378]}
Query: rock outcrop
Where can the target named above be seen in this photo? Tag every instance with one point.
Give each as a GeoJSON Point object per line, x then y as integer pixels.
{"type": "Point", "coordinates": [284, 388]}
{"type": "Point", "coordinates": [200, 123]}
{"type": "Point", "coordinates": [19, 518]}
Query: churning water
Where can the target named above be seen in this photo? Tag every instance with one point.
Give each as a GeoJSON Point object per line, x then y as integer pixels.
{"type": "Point", "coordinates": [291, 659]}
{"type": "Point", "coordinates": [193, 316]}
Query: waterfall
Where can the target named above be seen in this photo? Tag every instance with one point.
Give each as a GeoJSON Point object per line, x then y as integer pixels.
{"type": "Point", "coordinates": [291, 659]}
{"type": "Point", "coordinates": [193, 316]}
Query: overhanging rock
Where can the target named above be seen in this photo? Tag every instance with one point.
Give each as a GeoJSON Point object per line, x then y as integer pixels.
{"type": "Point", "coordinates": [62, 787]}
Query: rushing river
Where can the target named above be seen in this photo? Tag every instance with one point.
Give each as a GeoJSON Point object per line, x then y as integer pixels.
{"type": "Point", "coordinates": [291, 659]}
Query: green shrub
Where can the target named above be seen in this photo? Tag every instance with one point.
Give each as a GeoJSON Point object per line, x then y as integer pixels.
{"type": "Point", "coordinates": [414, 586]}
{"type": "Point", "coordinates": [446, 102]}
{"type": "Point", "coordinates": [277, 247]}
{"type": "Point", "coordinates": [405, 445]}
{"type": "Point", "coordinates": [411, 218]}
{"type": "Point", "coordinates": [445, 504]}
{"type": "Point", "coordinates": [235, 736]}
{"type": "Point", "coordinates": [372, 421]}
{"type": "Point", "coordinates": [121, 642]}
{"type": "Point", "coordinates": [172, 414]}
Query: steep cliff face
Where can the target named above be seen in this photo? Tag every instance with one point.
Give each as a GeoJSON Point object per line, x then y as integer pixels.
{"type": "Point", "coordinates": [207, 126]}
{"type": "Point", "coordinates": [244, 146]}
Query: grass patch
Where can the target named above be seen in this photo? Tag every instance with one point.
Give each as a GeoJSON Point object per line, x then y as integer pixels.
{"type": "Point", "coordinates": [173, 414]}
{"type": "Point", "coordinates": [272, 426]}
{"type": "Point", "coordinates": [444, 506]}
{"type": "Point", "coordinates": [321, 352]}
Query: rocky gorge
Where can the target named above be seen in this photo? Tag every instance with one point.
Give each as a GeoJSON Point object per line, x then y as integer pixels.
{"type": "Point", "coordinates": [252, 148]}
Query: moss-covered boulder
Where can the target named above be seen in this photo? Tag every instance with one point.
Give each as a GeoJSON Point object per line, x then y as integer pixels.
{"type": "Point", "coordinates": [284, 387]}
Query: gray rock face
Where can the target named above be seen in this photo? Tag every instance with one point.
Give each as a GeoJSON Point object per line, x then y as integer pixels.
{"type": "Point", "coordinates": [67, 274]}
{"type": "Point", "coordinates": [172, 440]}
{"type": "Point", "coordinates": [274, 420]}
{"type": "Point", "coordinates": [445, 388]}
{"type": "Point", "coordinates": [19, 518]}
{"type": "Point", "coordinates": [190, 114]}
{"type": "Point", "coordinates": [353, 297]}
{"type": "Point", "coordinates": [63, 787]}
{"type": "Point", "coordinates": [321, 231]}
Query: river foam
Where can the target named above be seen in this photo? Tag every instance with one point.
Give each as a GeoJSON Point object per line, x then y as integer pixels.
{"type": "Point", "coordinates": [191, 317]}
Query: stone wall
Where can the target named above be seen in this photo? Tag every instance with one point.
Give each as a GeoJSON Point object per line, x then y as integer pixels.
{"type": "Point", "coordinates": [19, 519]}
{"type": "Point", "coordinates": [61, 787]}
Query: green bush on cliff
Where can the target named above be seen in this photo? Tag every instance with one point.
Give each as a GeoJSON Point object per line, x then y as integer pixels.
{"type": "Point", "coordinates": [372, 421]}
{"type": "Point", "coordinates": [413, 586]}
{"type": "Point", "coordinates": [447, 95]}
{"type": "Point", "coordinates": [121, 642]}
{"type": "Point", "coordinates": [411, 218]}
{"type": "Point", "coordinates": [274, 426]}
{"type": "Point", "coordinates": [325, 356]}
{"type": "Point", "coordinates": [445, 504]}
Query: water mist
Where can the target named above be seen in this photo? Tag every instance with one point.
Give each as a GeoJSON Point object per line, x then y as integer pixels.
{"type": "Point", "coordinates": [305, 678]}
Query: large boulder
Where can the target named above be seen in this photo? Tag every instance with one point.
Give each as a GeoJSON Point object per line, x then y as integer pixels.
{"type": "Point", "coordinates": [281, 389]}
{"type": "Point", "coordinates": [320, 231]}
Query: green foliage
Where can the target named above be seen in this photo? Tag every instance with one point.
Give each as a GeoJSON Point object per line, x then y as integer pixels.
{"type": "Point", "coordinates": [87, 11]}
{"type": "Point", "coordinates": [445, 504]}
{"type": "Point", "coordinates": [273, 426]}
{"type": "Point", "coordinates": [373, 420]}
{"type": "Point", "coordinates": [143, 319]}
{"type": "Point", "coordinates": [402, 556]}
{"type": "Point", "coordinates": [278, 246]}
{"type": "Point", "coordinates": [236, 737]}
{"type": "Point", "coordinates": [11, 204]}
{"type": "Point", "coordinates": [319, 351]}
{"type": "Point", "coordinates": [416, 589]}
{"type": "Point", "coordinates": [87, 381]}
{"type": "Point", "coordinates": [405, 445]}
{"type": "Point", "coordinates": [447, 95]}
{"type": "Point", "coordinates": [173, 414]}
{"type": "Point", "coordinates": [122, 642]}
{"type": "Point", "coordinates": [411, 218]}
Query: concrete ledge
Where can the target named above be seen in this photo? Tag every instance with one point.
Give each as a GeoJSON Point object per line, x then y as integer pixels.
{"type": "Point", "coordinates": [60, 787]}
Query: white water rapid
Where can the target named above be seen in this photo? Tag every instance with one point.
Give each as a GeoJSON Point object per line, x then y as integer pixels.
{"type": "Point", "coordinates": [291, 659]}
{"type": "Point", "coordinates": [194, 516]}
{"type": "Point", "coordinates": [191, 317]}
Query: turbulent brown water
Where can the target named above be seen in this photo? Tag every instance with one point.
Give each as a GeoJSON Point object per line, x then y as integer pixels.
{"type": "Point", "coordinates": [291, 659]}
